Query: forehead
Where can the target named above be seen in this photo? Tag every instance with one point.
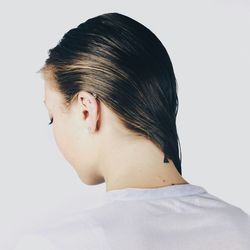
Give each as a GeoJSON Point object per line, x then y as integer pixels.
{"type": "Point", "coordinates": [53, 100]}
{"type": "Point", "coordinates": [49, 81]}
{"type": "Point", "coordinates": [52, 96]}
{"type": "Point", "coordinates": [49, 93]}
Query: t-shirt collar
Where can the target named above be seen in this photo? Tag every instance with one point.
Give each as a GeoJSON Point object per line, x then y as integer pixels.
{"type": "Point", "coordinates": [154, 193]}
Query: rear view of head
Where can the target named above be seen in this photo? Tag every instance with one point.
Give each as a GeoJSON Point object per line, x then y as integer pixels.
{"type": "Point", "coordinates": [116, 61]}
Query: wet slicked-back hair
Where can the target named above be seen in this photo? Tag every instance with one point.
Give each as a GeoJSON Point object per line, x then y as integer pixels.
{"type": "Point", "coordinates": [126, 66]}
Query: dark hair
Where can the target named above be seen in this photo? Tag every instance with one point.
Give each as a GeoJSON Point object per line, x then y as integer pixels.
{"type": "Point", "coordinates": [129, 70]}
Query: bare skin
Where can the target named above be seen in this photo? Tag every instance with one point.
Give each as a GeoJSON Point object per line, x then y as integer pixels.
{"type": "Point", "coordinates": [108, 152]}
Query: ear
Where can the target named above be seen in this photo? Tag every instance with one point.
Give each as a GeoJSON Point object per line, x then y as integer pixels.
{"type": "Point", "coordinates": [89, 108]}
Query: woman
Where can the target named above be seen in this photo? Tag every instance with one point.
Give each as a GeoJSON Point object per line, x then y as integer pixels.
{"type": "Point", "coordinates": [110, 91]}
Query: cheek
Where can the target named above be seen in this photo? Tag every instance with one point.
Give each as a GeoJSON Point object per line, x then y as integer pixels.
{"type": "Point", "coordinates": [67, 140]}
{"type": "Point", "coordinates": [62, 137]}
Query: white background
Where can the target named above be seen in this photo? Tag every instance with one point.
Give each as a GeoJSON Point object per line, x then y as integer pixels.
{"type": "Point", "coordinates": [209, 45]}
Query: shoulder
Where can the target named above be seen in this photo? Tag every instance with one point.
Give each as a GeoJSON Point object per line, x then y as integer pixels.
{"type": "Point", "coordinates": [226, 212]}
{"type": "Point", "coordinates": [72, 231]}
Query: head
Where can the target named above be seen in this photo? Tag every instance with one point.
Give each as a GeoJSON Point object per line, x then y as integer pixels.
{"type": "Point", "coordinates": [110, 77]}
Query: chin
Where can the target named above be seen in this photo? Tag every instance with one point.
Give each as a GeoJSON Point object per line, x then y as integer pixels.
{"type": "Point", "coordinates": [92, 180]}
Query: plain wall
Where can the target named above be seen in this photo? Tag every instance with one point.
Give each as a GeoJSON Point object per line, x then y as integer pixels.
{"type": "Point", "coordinates": [208, 43]}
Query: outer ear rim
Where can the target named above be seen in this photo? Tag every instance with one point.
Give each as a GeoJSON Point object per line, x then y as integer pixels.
{"type": "Point", "coordinates": [85, 98]}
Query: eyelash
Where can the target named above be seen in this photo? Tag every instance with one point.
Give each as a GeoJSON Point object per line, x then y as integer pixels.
{"type": "Point", "coordinates": [51, 120]}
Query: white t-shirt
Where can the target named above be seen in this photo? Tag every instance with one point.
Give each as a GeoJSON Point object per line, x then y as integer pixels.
{"type": "Point", "coordinates": [177, 217]}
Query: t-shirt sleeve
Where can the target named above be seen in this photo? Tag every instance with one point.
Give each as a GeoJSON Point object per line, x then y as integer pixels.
{"type": "Point", "coordinates": [72, 232]}
{"type": "Point", "coordinates": [34, 241]}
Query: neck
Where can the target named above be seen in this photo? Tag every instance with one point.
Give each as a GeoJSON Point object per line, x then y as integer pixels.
{"type": "Point", "coordinates": [139, 165]}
